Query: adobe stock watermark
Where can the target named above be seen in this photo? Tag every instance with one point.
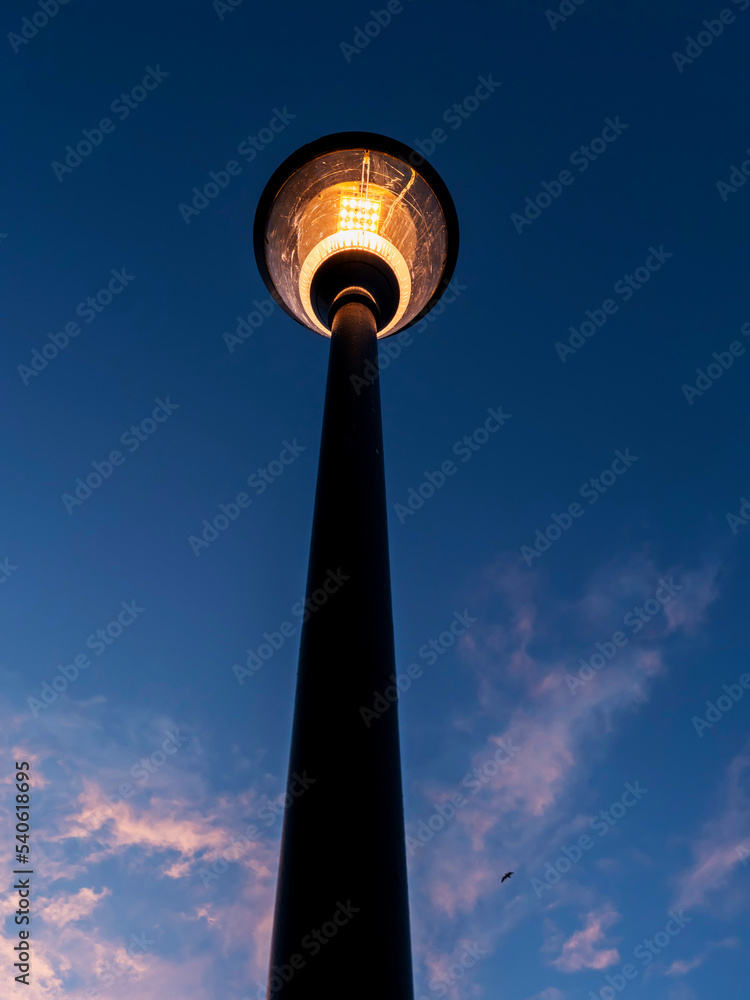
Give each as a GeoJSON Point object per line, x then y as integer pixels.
{"type": "Point", "coordinates": [465, 448]}
{"type": "Point", "coordinates": [6, 568]}
{"type": "Point", "coordinates": [475, 779]}
{"type": "Point", "coordinates": [635, 619]}
{"type": "Point", "coordinates": [737, 179]}
{"type": "Point", "coordinates": [390, 348]}
{"type": "Point", "coordinates": [452, 292]}
{"type": "Point", "coordinates": [601, 824]}
{"type": "Point", "coordinates": [363, 36]}
{"type": "Point", "coordinates": [303, 610]}
{"type": "Point", "coordinates": [456, 970]}
{"type": "Point", "coordinates": [741, 518]}
{"type": "Point", "coordinates": [582, 158]}
{"type": "Point", "coordinates": [456, 115]}
{"type": "Point", "coordinates": [695, 47]}
{"type": "Point", "coordinates": [94, 137]}
{"type": "Point", "coordinates": [224, 7]}
{"type": "Point", "coordinates": [625, 287]}
{"type": "Point", "coordinates": [723, 361]}
{"type": "Point", "coordinates": [88, 310]}
{"type": "Point", "coordinates": [313, 942]}
{"type": "Point", "coordinates": [141, 772]}
{"type": "Point", "coordinates": [297, 785]}
{"type": "Point", "coordinates": [259, 480]}
{"type": "Point", "coordinates": [219, 180]}
{"type": "Point", "coordinates": [724, 703]}
{"type": "Point", "coordinates": [645, 952]}
{"type": "Point", "coordinates": [109, 971]}
{"type": "Point", "coordinates": [131, 439]}
{"type": "Point", "coordinates": [31, 26]}
{"type": "Point", "coordinates": [247, 324]}
{"type": "Point", "coordinates": [591, 490]}
{"type": "Point", "coordinates": [429, 651]}
{"type": "Point", "coordinates": [566, 9]}
{"type": "Point", "coordinates": [98, 642]}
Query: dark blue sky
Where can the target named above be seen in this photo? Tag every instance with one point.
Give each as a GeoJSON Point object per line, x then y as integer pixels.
{"type": "Point", "coordinates": [638, 240]}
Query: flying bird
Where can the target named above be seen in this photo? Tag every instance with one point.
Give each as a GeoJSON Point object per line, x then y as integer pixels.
{"type": "Point", "coordinates": [507, 875]}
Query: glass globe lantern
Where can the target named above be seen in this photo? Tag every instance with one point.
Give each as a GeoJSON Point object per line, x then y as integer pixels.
{"type": "Point", "coordinates": [356, 213]}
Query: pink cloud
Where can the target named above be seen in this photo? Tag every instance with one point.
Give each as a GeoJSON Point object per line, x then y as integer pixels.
{"type": "Point", "coordinates": [164, 825]}
{"type": "Point", "coordinates": [454, 887]}
{"type": "Point", "coordinates": [466, 952]}
{"type": "Point", "coordinates": [582, 951]}
{"type": "Point", "coordinates": [522, 811]}
{"type": "Point", "coordinates": [717, 851]}
{"type": "Point", "coordinates": [552, 723]}
{"type": "Point", "coordinates": [682, 966]}
{"type": "Point", "coordinates": [174, 828]}
{"type": "Point", "coordinates": [19, 754]}
{"type": "Point", "coordinates": [64, 909]}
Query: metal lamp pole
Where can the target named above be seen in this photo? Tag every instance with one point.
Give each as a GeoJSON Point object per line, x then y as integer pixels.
{"type": "Point", "coordinates": [341, 922]}
{"type": "Point", "coordinates": [343, 864]}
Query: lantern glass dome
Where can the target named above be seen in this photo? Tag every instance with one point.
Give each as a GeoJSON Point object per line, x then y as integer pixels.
{"type": "Point", "coordinates": [353, 209]}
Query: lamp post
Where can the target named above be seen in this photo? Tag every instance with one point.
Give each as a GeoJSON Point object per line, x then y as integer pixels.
{"type": "Point", "coordinates": [356, 237]}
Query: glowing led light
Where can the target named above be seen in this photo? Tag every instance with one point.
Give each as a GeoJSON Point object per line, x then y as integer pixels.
{"type": "Point", "coordinates": [359, 213]}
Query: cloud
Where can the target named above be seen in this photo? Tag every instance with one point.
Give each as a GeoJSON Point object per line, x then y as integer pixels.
{"type": "Point", "coordinates": [526, 642]}
{"type": "Point", "coordinates": [215, 937]}
{"type": "Point", "coordinates": [698, 593]}
{"type": "Point", "coordinates": [682, 966]}
{"type": "Point", "coordinates": [164, 825]}
{"type": "Point", "coordinates": [63, 910]}
{"type": "Point", "coordinates": [552, 723]}
{"type": "Point", "coordinates": [582, 950]}
{"type": "Point", "coordinates": [718, 848]}
{"type": "Point", "coordinates": [117, 869]}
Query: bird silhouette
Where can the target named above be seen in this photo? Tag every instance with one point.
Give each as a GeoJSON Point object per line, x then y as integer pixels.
{"type": "Point", "coordinates": [507, 875]}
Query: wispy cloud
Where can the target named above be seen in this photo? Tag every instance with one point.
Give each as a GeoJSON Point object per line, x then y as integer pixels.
{"type": "Point", "coordinates": [64, 909]}
{"type": "Point", "coordinates": [519, 653]}
{"type": "Point", "coordinates": [117, 871]}
{"type": "Point", "coordinates": [683, 966]}
{"type": "Point", "coordinates": [709, 879]}
{"type": "Point", "coordinates": [584, 949]}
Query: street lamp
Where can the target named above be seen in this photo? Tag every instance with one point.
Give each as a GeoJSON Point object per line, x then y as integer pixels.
{"type": "Point", "coordinates": [356, 237]}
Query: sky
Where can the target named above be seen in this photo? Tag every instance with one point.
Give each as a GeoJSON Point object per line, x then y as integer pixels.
{"type": "Point", "coordinates": [592, 714]}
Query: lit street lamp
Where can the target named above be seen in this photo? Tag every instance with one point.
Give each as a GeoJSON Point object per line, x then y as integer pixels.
{"type": "Point", "coordinates": [356, 237]}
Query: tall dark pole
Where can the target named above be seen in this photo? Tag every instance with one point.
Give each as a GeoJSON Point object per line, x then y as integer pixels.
{"type": "Point", "coordinates": [341, 924]}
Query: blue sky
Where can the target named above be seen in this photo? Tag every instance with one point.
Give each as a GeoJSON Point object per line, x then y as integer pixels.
{"type": "Point", "coordinates": [599, 303]}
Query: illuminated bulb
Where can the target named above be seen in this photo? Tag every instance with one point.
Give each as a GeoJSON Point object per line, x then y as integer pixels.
{"type": "Point", "coordinates": [358, 213]}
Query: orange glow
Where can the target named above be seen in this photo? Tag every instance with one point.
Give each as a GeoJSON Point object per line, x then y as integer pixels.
{"type": "Point", "coordinates": [356, 212]}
